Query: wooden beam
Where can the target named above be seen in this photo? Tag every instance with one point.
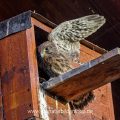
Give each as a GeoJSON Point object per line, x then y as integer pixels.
{"type": "Point", "coordinates": [19, 75]}
{"type": "Point", "coordinates": [87, 77]}
{"type": "Point", "coordinates": [93, 46]}
{"type": "Point", "coordinates": [40, 25]}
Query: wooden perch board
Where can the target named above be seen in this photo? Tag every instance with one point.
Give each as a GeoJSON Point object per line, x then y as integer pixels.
{"type": "Point", "coordinates": [87, 77]}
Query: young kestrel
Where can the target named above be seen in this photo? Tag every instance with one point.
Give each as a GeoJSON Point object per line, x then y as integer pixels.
{"type": "Point", "coordinates": [63, 48]}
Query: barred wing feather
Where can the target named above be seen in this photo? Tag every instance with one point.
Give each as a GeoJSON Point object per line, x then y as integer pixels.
{"type": "Point", "coordinates": [77, 29]}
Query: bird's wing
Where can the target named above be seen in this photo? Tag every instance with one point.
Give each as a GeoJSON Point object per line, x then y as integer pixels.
{"type": "Point", "coordinates": [77, 29]}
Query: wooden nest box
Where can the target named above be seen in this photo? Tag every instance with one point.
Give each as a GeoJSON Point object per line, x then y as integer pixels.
{"type": "Point", "coordinates": [21, 95]}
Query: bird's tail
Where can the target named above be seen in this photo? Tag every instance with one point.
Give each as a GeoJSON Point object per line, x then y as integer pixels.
{"type": "Point", "coordinates": [82, 101]}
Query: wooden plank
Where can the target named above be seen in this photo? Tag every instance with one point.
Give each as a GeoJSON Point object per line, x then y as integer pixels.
{"type": "Point", "coordinates": [42, 19]}
{"type": "Point", "coordinates": [93, 46]}
{"type": "Point", "coordinates": [87, 77]}
{"type": "Point", "coordinates": [15, 24]}
{"type": "Point", "coordinates": [40, 25]}
{"type": "Point", "coordinates": [19, 75]}
{"type": "Point", "coordinates": [110, 103]}
{"type": "Point", "coordinates": [1, 103]}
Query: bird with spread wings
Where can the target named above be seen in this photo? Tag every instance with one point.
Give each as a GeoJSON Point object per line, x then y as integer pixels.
{"type": "Point", "coordinates": [63, 48]}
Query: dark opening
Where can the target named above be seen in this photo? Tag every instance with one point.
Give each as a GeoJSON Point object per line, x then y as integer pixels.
{"type": "Point", "coordinates": [40, 37]}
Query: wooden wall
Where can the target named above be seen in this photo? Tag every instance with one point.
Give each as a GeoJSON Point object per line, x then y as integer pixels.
{"type": "Point", "coordinates": [19, 76]}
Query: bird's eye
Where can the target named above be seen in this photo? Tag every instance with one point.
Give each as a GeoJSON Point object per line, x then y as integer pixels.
{"type": "Point", "coordinates": [46, 49]}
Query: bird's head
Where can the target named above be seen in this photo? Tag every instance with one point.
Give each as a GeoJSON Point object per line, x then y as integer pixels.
{"type": "Point", "coordinates": [46, 49]}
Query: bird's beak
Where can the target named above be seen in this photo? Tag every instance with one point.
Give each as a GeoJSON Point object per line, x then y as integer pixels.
{"type": "Point", "coordinates": [43, 53]}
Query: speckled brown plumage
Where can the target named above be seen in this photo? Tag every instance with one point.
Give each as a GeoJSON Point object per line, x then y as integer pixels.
{"type": "Point", "coordinates": [67, 35]}
{"type": "Point", "coordinates": [82, 101]}
{"type": "Point", "coordinates": [52, 61]}
{"type": "Point", "coordinates": [63, 48]}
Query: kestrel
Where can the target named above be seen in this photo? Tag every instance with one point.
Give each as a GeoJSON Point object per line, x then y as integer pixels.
{"type": "Point", "coordinates": [63, 48]}
{"type": "Point", "coordinates": [51, 61]}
